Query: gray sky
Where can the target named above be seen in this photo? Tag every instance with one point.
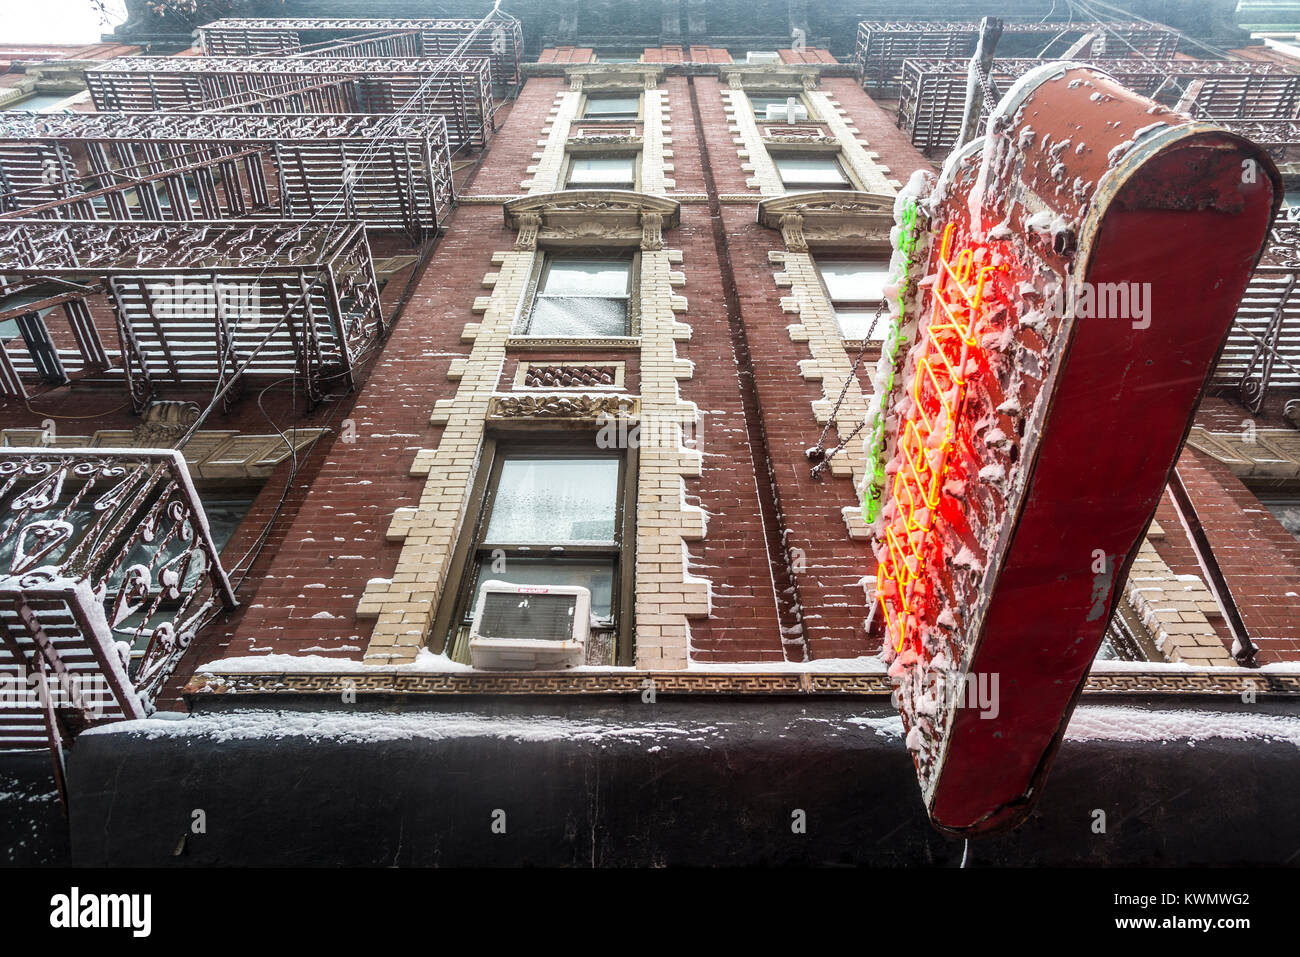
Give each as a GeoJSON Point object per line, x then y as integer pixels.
{"type": "Point", "coordinates": [51, 21]}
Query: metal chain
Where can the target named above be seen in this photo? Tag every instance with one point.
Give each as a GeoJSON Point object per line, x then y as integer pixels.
{"type": "Point", "coordinates": [818, 453]}
{"type": "Point", "coordinates": [990, 92]}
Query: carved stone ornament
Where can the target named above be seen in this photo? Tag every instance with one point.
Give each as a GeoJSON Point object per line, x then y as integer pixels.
{"type": "Point", "coordinates": [162, 423]}
{"type": "Point", "coordinates": [770, 79]}
{"type": "Point", "coordinates": [611, 77]}
{"type": "Point", "coordinates": [562, 405]}
{"type": "Point", "coordinates": [592, 217]}
{"type": "Point", "coordinates": [829, 217]}
{"type": "Point", "coordinates": [792, 233]}
{"type": "Point", "coordinates": [797, 140]}
{"type": "Point", "coordinates": [528, 225]}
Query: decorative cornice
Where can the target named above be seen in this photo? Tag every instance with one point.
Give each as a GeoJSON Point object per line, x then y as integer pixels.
{"type": "Point", "coordinates": [829, 217]}
{"type": "Point", "coordinates": [613, 76]}
{"type": "Point", "coordinates": [590, 217]}
{"type": "Point", "coordinates": [600, 142]}
{"type": "Point", "coordinates": [1180, 682]}
{"type": "Point", "coordinates": [562, 405]}
{"type": "Point", "coordinates": [770, 78]}
{"type": "Point", "coordinates": [813, 143]}
{"type": "Point", "coordinates": [579, 344]}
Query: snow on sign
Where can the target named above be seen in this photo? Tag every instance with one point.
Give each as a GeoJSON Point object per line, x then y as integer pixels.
{"type": "Point", "coordinates": [1066, 285]}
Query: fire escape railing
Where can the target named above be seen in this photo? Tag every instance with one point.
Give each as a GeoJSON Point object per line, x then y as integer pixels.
{"type": "Point", "coordinates": [208, 302]}
{"type": "Point", "coordinates": [458, 89]}
{"type": "Point", "coordinates": [501, 41]}
{"type": "Point", "coordinates": [107, 570]}
{"type": "Point", "coordinates": [393, 173]}
{"type": "Point", "coordinates": [934, 91]}
{"type": "Point", "coordinates": [882, 46]}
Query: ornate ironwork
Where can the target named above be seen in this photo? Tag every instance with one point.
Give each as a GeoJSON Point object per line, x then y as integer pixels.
{"type": "Point", "coordinates": [457, 88]}
{"type": "Point", "coordinates": [107, 570]}
{"type": "Point", "coordinates": [882, 46]}
{"type": "Point", "coordinates": [1158, 680]}
{"type": "Point", "coordinates": [501, 40]}
{"type": "Point", "coordinates": [196, 301]}
{"type": "Point", "coordinates": [934, 91]}
{"type": "Point", "coordinates": [392, 172]}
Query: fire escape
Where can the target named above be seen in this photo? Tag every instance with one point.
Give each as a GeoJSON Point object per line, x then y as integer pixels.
{"type": "Point", "coordinates": [209, 224]}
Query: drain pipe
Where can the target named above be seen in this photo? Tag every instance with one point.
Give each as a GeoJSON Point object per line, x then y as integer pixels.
{"type": "Point", "coordinates": [785, 587]}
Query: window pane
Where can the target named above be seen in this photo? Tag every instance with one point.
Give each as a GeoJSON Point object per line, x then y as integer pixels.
{"type": "Point", "coordinates": [857, 324]}
{"type": "Point", "coordinates": [603, 170]}
{"type": "Point", "coordinates": [613, 106]}
{"type": "Point", "coordinates": [817, 170]}
{"type": "Point", "coordinates": [578, 316]}
{"type": "Point", "coordinates": [761, 103]}
{"type": "Point", "coordinates": [596, 575]}
{"type": "Point", "coordinates": [587, 277]}
{"type": "Point", "coordinates": [555, 502]}
{"type": "Point", "coordinates": [855, 280]}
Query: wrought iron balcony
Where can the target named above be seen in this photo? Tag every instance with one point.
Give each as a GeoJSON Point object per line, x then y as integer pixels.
{"type": "Point", "coordinates": [107, 570]}
{"type": "Point", "coordinates": [392, 172]}
{"type": "Point", "coordinates": [195, 302]}
{"type": "Point", "coordinates": [502, 40]}
{"type": "Point", "coordinates": [456, 88]}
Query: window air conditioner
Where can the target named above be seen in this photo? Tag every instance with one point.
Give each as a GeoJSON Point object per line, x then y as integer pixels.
{"type": "Point", "coordinates": [762, 56]}
{"type": "Point", "coordinates": [529, 627]}
{"type": "Point", "coordinates": [798, 113]}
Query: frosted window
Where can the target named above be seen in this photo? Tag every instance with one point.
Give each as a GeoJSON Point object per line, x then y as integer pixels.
{"type": "Point", "coordinates": [856, 280]}
{"type": "Point", "coordinates": [555, 502]}
{"type": "Point", "coordinates": [603, 171]}
{"type": "Point", "coordinates": [857, 324]}
{"type": "Point", "coordinates": [582, 297]}
{"type": "Point", "coordinates": [812, 171]}
{"type": "Point", "coordinates": [587, 277]}
{"type": "Point", "coordinates": [613, 107]}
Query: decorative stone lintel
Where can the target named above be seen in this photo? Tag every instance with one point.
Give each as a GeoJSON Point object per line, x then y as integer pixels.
{"type": "Point", "coordinates": [770, 78]}
{"type": "Point", "coordinates": [572, 406]}
{"type": "Point", "coordinates": [583, 217]}
{"type": "Point", "coordinates": [829, 217]}
{"type": "Point", "coordinates": [614, 76]}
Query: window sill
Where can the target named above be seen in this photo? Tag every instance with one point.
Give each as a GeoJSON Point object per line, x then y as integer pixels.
{"type": "Point", "coordinates": [585, 343]}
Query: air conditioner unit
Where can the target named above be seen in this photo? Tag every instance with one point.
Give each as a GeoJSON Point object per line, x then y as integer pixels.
{"type": "Point", "coordinates": [762, 56]}
{"type": "Point", "coordinates": [529, 627]}
{"type": "Point", "coordinates": [798, 113]}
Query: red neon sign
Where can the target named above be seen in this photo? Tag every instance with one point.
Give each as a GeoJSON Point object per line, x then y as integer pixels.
{"type": "Point", "coordinates": [926, 437]}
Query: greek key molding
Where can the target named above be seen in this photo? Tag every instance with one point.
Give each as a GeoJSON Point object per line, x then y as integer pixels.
{"type": "Point", "coordinates": [868, 684]}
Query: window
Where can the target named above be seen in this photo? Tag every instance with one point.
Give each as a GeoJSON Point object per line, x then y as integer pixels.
{"type": "Point", "coordinates": [1285, 508]}
{"type": "Point", "coordinates": [856, 288]}
{"type": "Point", "coordinates": [37, 102]}
{"type": "Point", "coordinates": [619, 58]}
{"type": "Point", "coordinates": [591, 171]}
{"type": "Point", "coordinates": [582, 297]}
{"type": "Point", "coordinates": [811, 171]}
{"type": "Point", "coordinates": [613, 107]}
{"type": "Point", "coordinates": [553, 514]}
{"type": "Point", "coordinates": [779, 106]}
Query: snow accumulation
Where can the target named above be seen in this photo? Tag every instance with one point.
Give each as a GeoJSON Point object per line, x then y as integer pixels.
{"type": "Point", "coordinates": [1089, 723]}
{"type": "Point", "coordinates": [1119, 723]}
{"type": "Point", "coordinates": [425, 661]}
{"type": "Point", "coordinates": [867, 664]}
